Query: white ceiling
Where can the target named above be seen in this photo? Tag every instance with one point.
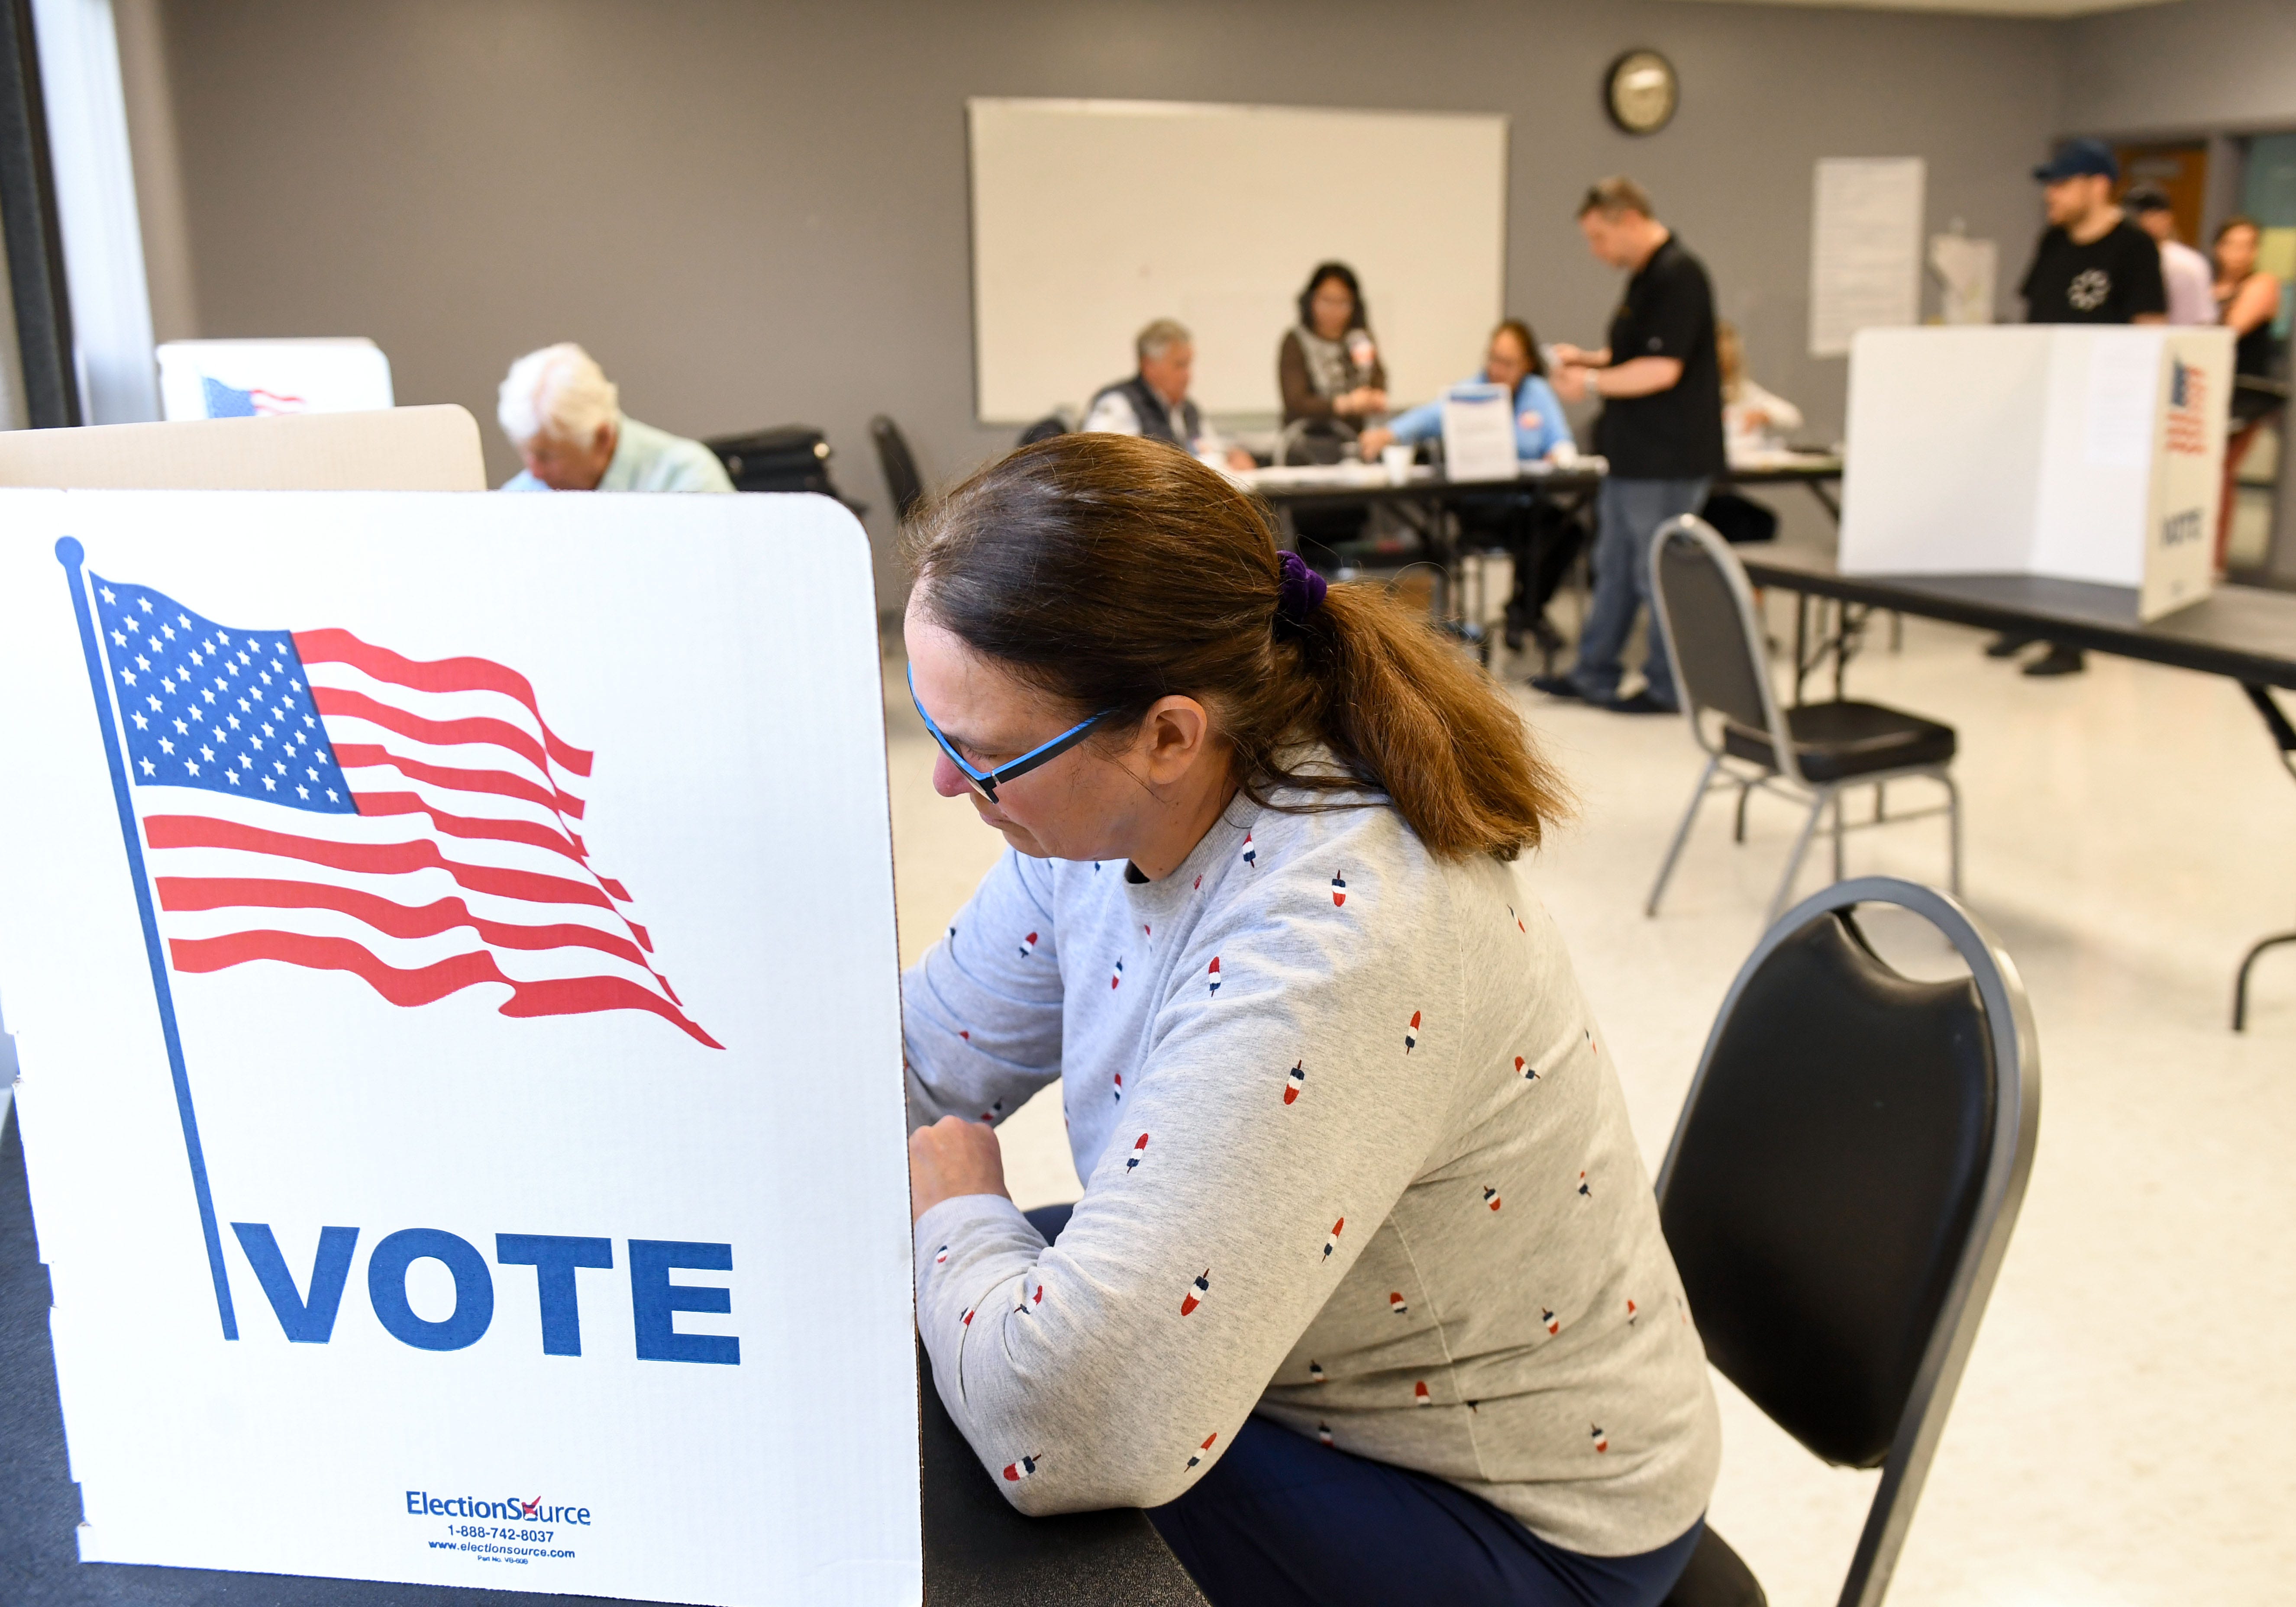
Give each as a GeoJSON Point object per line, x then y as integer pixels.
{"type": "Point", "coordinates": [1996, 8]}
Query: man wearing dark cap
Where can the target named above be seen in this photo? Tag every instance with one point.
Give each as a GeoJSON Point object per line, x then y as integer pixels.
{"type": "Point", "coordinates": [2190, 279]}
{"type": "Point", "coordinates": [2091, 265]}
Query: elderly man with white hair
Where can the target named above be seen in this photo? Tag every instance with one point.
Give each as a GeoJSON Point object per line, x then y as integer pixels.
{"type": "Point", "coordinates": [565, 417]}
{"type": "Point", "coordinates": [1154, 401]}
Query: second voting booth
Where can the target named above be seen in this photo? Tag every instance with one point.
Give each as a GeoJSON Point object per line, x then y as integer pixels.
{"type": "Point", "coordinates": [2088, 452]}
{"type": "Point", "coordinates": [465, 1139]}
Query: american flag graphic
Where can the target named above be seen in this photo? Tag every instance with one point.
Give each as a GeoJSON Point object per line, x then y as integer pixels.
{"type": "Point", "coordinates": [310, 799]}
{"type": "Point", "coordinates": [229, 402]}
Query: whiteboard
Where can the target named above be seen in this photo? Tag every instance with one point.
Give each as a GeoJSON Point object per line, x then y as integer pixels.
{"type": "Point", "coordinates": [1092, 217]}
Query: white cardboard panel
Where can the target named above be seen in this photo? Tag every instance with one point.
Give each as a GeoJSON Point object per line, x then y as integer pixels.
{"type": "Point", "coordinates": [1942, 453]}
{"type": "Point", "coordinates": [717, 655]}
{"type": "Point", "coordinates": [2038, 449]}
{"type": "Point", "coordinates": [430, 448]}
{"type": "Point", "coordinates": [260, 379]}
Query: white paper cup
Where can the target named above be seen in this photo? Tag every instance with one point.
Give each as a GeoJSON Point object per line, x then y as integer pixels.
{"type": "Point", "coordinates": [1397, 459]}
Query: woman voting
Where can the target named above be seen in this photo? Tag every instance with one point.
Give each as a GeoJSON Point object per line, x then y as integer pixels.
{"type": "Point", "coordinates": [1365, 1298]}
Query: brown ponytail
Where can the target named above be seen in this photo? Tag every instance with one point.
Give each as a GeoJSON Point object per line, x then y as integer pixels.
{"type": "Point", "coordinates": [1110, 571]}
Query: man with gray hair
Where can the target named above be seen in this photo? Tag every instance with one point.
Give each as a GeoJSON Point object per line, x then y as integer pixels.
{"type": "Point", "coordinates": [1154, 401]}
{"type": "Point", "coordinates": [565, 417]}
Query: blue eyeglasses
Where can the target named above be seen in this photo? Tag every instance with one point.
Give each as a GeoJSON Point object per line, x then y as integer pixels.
{"type": "Point", "coordinates": [986, 782]}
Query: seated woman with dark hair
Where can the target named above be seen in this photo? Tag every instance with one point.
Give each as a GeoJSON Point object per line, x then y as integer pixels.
{"type": "Point", "coordinates": [1543, 537]}
{"type": "Point", "coordinates": [1365, 1298]}
{"type": "Point", "coordinates": [1328, 370]}
{"type": "Point", "coordinates": [1328, 366]}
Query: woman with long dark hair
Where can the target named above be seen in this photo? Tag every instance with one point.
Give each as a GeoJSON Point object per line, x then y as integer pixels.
{"type": "Point", "coordinates": [1365, 1298]}
{"type": "Point", "coordinates": [1328, 367]}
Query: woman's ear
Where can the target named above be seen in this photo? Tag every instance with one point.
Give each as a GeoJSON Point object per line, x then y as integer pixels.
{"type": "Point", "coordinates": [1174, 737]}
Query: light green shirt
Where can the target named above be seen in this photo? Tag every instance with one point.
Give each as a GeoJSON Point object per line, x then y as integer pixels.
{"type": "Point", "coordinates": [647, 459]}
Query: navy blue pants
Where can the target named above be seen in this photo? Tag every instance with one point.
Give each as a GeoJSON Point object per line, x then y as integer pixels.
{"type": "Point", "coordinates": [1281, 1521]}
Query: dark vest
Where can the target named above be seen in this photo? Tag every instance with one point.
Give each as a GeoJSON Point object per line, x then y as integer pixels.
{"type": "Point", "coordinates": [1154, 417]}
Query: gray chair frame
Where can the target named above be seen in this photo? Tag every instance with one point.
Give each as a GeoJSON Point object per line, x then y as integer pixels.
{"type": "Point", "coordinates": [1724, 770]}
{"type": "Point", "coordinates": [2016, 1129]}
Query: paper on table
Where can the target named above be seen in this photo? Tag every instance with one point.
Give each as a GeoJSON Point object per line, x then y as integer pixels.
{"type": "Point", "coordinates": [2124, 378]}
{"type": "Point", "coordinates": [1864, 252]}
{"type": "Point", "coordinates": [1479, 433]}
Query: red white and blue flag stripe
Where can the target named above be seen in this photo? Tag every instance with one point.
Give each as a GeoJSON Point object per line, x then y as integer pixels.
{"type": "Point", "coordinates": [308, 799]}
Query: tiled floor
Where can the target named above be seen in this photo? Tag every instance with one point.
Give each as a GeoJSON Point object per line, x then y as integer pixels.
{"type": "Point", "coordinates": [2125, 1432]}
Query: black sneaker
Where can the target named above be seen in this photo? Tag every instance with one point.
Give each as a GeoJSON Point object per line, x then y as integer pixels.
{"type": "Point", "coordinates": [1559, 686]}
{"type": "Point", "coordinates": [1641, 702]}
{"type": "Point", "coordinates": [2059, 660]}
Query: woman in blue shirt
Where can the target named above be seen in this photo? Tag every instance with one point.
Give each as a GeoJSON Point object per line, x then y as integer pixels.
{"type": "Point", "coordinates": [1514, 362]}
{"type": "Point", "coordinates": [1543, 537]}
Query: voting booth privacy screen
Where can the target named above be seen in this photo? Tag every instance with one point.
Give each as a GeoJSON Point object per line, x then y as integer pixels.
{"type": "Point", "coordinates": [265, 379]}
{"type": "Point", "coordinates": [449, 945]}
{"type": "Point", "coordinates": [2088, 453]}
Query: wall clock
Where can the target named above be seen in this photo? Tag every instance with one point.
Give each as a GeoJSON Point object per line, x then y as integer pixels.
{"type": "Point", "coordinates": [1640, 92]}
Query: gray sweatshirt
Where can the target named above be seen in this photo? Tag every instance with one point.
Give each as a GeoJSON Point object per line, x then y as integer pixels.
{"type": "Point", "coordinates": [1354, 1158]}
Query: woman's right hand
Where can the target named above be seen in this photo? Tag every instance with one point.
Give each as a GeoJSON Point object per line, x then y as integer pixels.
{"type": "Point", "coordinates": [1567, 355]}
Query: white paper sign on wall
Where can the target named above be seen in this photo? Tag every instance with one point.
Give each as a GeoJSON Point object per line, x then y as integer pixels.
{"type": "Point", "coordinates": [449, 942]}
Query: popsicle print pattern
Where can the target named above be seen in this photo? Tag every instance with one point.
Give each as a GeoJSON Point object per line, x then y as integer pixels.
{"type": "Point", "coordinates": [1491, 1197]}
{"type": "Point", "coordinates": [1213, 975]}
{"type": "Point", "coordinates": [1198, 1288]}
{"type": "Point", "coordinates": [1411, 1034]}
{"type": "Point", "coordinates": [1332, 1241]}
{"type": "Point", "coordinates": [1339, 889]}
{"type": "Point", "coordinates": [1139, 1154]}
{"type": "Point", "coordinates": [1250, 854]}
{"type": "Point", "coordinates": [1205, 1448]}
{"type": "Point", "coordinates": [1028, 943]}
{"type": "Point", "coordinates": [1294, 1080]}
{"type": "Point", "coordinates": [1014, 1471]}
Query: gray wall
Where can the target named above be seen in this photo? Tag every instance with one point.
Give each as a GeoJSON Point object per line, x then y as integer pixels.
{"type": "Point", "coordinates": [756, 213]}
{"type": "Point", "coordinates": [2194, 68]}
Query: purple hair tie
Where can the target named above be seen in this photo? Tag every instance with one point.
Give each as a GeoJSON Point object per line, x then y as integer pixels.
{"type": "Point", "coordinates": [1299, 591]}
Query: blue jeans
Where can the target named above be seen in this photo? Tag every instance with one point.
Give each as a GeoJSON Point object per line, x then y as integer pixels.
{"type": "Point", "coordinates": [1281, 1521]}
{"type": "Point", "coordinates": [1631, 514]}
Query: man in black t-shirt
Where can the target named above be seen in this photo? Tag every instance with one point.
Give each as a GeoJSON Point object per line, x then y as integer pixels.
{"type": "Point", "coordinates": [2091, 265]}
{"type": "Point", "coordinates": [1662, 430]}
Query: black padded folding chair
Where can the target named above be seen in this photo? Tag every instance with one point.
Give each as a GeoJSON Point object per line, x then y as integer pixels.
{"type": "Point", "coordinates": [902, 482]}
{"type": "Point", "coordinates": [1840, 1193]}
{"type": "Point", "coordinates": [1813, 752]}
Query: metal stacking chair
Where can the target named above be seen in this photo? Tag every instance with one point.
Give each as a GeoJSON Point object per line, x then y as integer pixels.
{"type": "Point", "coordinates": [1840, 1193]}
{"type": "Point", "coordinates": [902, 483]}
{"type": "Point", "coordinates": [1814, 751]}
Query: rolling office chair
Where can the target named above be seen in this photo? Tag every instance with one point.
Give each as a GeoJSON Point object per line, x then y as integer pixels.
{"type": "Point", "coordinates": [902, 481]}
{"type": "Point", "coordinates": [1839, 1192]}
{"type": "Point", "coordinates": [1814, 751]}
